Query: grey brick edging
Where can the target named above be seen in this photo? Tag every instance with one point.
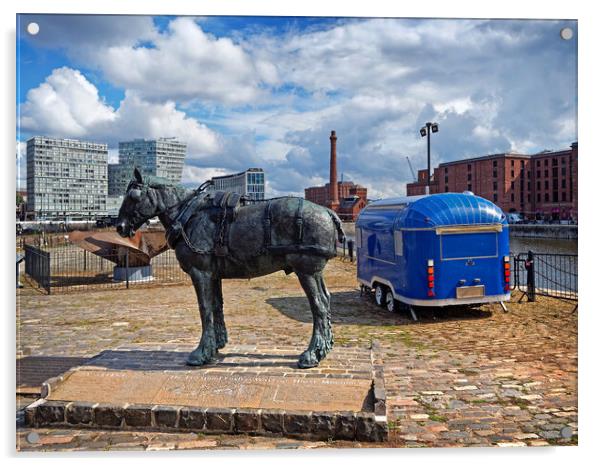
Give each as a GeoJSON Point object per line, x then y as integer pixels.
{"type": "Point", "coordinates": [318, 425]}
{"type": "Point", "coordinates": [361, 426]}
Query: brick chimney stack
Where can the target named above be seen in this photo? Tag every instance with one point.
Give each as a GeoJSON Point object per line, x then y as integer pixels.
{"type": "Point", "coordinates": [334, 191]}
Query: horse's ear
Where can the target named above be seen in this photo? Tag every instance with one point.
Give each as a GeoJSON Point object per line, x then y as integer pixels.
{"type": "Point", "coordinates": [137, 175]}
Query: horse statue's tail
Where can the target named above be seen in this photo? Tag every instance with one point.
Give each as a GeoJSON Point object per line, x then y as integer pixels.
{"type": "Point", "coordinates": [339, 225]}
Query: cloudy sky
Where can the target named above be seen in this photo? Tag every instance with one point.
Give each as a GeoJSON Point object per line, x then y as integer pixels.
{"type": "Point", "coordinates": [266, 92]}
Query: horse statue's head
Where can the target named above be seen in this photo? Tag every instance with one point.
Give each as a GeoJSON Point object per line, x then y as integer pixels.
{"type": "Point", "coordinates": [140, 204]}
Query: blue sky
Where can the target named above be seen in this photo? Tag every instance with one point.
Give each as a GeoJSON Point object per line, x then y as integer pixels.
{"type": "Point", "coordinates": [267, 91]}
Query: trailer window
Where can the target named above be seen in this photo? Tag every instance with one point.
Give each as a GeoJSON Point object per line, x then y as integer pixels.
{"type": "Point", "coordinates": [358, 237]}
{"type": "Point", "coordinates": [398, 243]}
{"type": "Point", "coordinates": [469, 245]}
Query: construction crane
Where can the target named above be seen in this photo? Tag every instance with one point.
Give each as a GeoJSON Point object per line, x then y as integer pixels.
{"type": "Point", "coordinates": [412, 169]}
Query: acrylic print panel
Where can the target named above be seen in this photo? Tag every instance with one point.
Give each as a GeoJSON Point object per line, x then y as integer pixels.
{"type": "Point", "coordinates": [167, 165]}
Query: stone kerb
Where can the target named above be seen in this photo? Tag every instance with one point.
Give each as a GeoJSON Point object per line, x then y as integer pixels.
{"type": "Point", "coordinates": [365, 424]}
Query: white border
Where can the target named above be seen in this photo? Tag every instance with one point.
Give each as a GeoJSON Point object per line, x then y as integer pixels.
{"type": "Point", "coordinates": [590, 103]}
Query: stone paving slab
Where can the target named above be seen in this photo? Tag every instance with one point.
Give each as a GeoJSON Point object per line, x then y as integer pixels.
{"type": "Point", "coordinates": [247, 389]}
{"type": "Point", "coordinates": [33, 371]}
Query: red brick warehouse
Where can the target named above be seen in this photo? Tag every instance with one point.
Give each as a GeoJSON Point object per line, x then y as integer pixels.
{"type": "Point", "coordinates": [542, 185]}
{"type": "Point", "coordinates": [344, 197]}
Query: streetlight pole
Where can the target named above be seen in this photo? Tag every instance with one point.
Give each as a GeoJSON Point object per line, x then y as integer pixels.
{"type": "Point", "coordinates": [426, 131]}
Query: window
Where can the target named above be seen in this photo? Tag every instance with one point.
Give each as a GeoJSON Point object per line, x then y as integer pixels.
{"type": "Point", "coordinates": [469, 177]}
{"type": "Point", "coordinates": [469, 187]}
{"type": "Point", "coordinates": [512, 197]}
{"type": "Point", "coordinates": [358, 237]}
{"type": "Point", "coordinates": [547, 184]}
{"type": "Point", "coordinates": [512, 185]}
{"type": "Point", "coordinates": [547, 197]}
{"type": "Point", "coordinates": [446, 188]}
{"type": "Point", "coordinates": [512, 163]}
{"type": "Point", "coordinates": [495, 185]}
{"type": "Point", "coordinates": [398, 238]}
{"type": "Point", "coordinates": [538, 197]}
{"type": "Point", "coordinates": [469, 167]}
{"type": "Point", "coordinates": [563, 183]}
{"type": "Point", "coordinates": [555, 196]}
{"type": "Point", "coordinates": [512, 174]}
{"type": "Point", "coordinates": [538, 173]}
{"type": "Point", "coordinates": [522, 164]}
{"type": "Point", "coordinates": [563, 171]}
{"type": "Point", "coordinates": [495, 173]}
{"type": "Point", "coordinates": [563, 196]}
{"type": "Point", "coordinates": [455, 246]}
{"type": "Point", "coordinates": [494, 197]}
{"type": "Point", "coordinates": [539, 163]}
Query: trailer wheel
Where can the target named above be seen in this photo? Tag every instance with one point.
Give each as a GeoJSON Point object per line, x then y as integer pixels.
{"type": "Point", "coordinates": [391, 303]}
{"type": "Point", "coordinates": [379, 295]}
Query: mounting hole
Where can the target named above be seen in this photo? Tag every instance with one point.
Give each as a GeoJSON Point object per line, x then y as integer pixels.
{"type": "Point", "coordinates": [566, 33]}
{"type": "Point", "coordinates": [33, 28]}
{"type": "Point", "coordinates": [33, 437]}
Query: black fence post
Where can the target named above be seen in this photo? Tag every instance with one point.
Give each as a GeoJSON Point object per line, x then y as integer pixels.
{"type": "Point", "coordinates": [530, 266]}
{"type": "Point", "coordinates": [127, 268]}
{"type": "Point", "coordinates": [85, 260]}
{"type": "Point", "coordinates": [350, 244]}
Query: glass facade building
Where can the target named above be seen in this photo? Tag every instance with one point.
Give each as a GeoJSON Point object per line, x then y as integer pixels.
{"type": "Point", "coordinates": [162, 157]}
{"type": "Point", "coordinates": [250, 183]}
{"type": "Point", "coordinates": [66, 178]}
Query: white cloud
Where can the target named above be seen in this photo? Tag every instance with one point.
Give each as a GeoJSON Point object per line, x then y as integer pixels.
{"type": "Point", "coordinates": [196, 175]}
{"type": "Point", "coordinates": [184, 64]}
{"type": "Point", "coordinates": [21, 164]}
{"type": "Point", "coordinates": [68, 105]}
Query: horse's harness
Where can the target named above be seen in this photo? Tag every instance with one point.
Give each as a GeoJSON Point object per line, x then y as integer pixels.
{"type": "Point", "coordinates": [223, 209]}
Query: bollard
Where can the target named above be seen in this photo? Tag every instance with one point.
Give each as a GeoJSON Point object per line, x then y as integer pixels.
{"type": "Point", "coordinates": [530, 266]}
{"type": "Point", "coordinates": [350, 244]}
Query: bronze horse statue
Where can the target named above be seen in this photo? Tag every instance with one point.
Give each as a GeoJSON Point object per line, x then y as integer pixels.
{"type": "Point", "coordinates": [216, 236]}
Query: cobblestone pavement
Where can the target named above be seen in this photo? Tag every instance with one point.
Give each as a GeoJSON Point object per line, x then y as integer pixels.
{"type": "Point", "coordinates": [476, 377]}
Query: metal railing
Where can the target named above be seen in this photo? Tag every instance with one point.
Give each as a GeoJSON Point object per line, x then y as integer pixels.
{"type": "Point", "coordinates": [553, 275]}
{"type": "Point", "coordinates": [70, 268]}
{"type": "Point", "coordinates": [37, 266]}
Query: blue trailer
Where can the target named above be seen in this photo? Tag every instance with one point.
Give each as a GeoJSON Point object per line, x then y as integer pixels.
{"type": "Point", "coordinates": [438, 250]}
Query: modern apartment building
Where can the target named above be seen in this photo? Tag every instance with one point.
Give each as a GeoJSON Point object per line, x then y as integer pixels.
{"type": "Point", "coordinates": [162, 157]}
{"type": "Point", "coordinates": [66, 178]}
{"type": "Point", "coordinates": [250, 183]}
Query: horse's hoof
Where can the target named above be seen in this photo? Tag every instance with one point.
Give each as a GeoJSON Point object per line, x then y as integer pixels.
{"type": "Point", "coordinates": [307, 360]}
{"type": "Point", "coordinates": [195, 359]}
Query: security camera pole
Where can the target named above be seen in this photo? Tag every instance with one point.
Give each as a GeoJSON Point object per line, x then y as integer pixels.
{"type": "Point", "coordinates": [426, 131]}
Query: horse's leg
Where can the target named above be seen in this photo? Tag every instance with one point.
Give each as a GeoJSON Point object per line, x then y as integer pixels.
{"type": "Point", "coordinates": [221, 334]}
{"type": "Point", "coordinates": [321, 340]}
{"type": "Point", "coordinates": [204, 285]}
{"type": "Point", "coordinates": [328, 333]}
